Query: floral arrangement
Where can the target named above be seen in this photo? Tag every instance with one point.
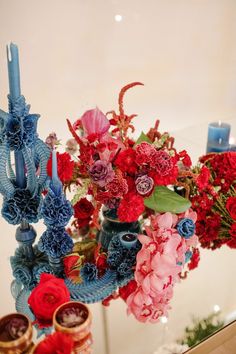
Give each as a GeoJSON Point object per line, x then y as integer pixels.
{"type": "Point", "coordinates": [213, 196]}
{"type": "Point", "coordinates": [129, 180]}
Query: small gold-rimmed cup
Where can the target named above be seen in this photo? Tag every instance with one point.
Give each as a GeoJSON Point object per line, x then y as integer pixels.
{"type": "Point", "coordinates": [10, 342]}
{"type": "Point", "coordinates": [80, 333]}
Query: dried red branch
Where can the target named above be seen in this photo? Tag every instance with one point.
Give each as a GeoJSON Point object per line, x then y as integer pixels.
{"type": "Point", "coordinates": [153, 132]}
{"type": "Point", "coordinates": [121, 97]}
{"type": "Point", "coordinates": [75, 136]}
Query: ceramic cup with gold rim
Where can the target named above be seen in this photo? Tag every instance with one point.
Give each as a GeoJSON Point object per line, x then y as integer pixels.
{"type": "Point", "coordinates": [15, 334]}
{"type": "Point", "coordinates": [74, 318]}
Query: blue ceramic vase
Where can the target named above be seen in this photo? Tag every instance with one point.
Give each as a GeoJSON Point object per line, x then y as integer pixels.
{"type": "Point", "coordinates": [111, 226]}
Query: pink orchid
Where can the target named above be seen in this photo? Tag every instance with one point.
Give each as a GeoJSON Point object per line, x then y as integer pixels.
{"type": "Point", "coordinates": [145, 308]}
{"type": "Point", "coordinates": [158, 266]}
{"type": "Point", "coordinates": [95, 122]}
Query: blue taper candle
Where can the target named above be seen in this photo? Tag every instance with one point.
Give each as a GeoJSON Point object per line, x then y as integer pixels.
{"type": "Point", "coordinates": [15, 92]}
{"type": "Point", "coordinates": [13, 71]}
{"type": "Point", "coordinates": [56, 183]}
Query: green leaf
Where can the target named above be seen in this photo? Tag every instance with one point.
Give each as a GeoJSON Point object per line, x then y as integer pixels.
{"type": "Point", "coordinates": [143, 137]}
{"type": "Point", "coordinates": [163, 200]}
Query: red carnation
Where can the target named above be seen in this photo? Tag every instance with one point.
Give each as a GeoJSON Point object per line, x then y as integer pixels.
{"type": "Point", "coordinates": [144, 153]}
{"type": "Point", "coordinates": [83, 211]}
{"type": "Point", "coordinates": [162, 162]}
{"type": "Point", "coordinates": [58, 342]}
{"type": "Point", "coordinates": [231, 207]}
{"type": "Point", "coordinates": [65, 167]}
{"type": "Point", "coordinates": [130, 208]}
{"type": "Point", "coordinates": [203, 178]}
{"type": "Point", "coordinates": [126, 161]}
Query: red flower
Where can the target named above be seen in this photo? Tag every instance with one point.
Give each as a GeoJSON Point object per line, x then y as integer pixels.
{"type": "Point", "coordinates": [231, 156]}
{"type": "Point", "coordinates": [117, 187]}
{"type": "Point", "coordinates": [83, 211]}
{"type": "Point", "coordinates": [126, 161]}
{"type": "Point", "coordinates": [232, 243]}
{"type": "Point", "coordinates": [44, 299]}
{"type": "Point", "coordinates": [130, 207]}
{"type": "Point", "coordinates": [232, 231]}
{"type": "Point", "coordinates": [203, 178]}
{"type": "Point", "coordinates": [72, 263]}
{"type": "Point", "coordinates": [185, 158]}
{"type": "Point", "coordinates": [65, 167]}
{"type": "Point", "coordinates": [100, 260]}
{"type": "Point", "coordinates": [144, 153]}
{"type": "Point", "coordinates": [59, 343]}
{"type": "Point", "coordinates": [231, 207]}
{"type": "Point", "coordinates": [194, 259]}
{"type": "Point", "coordinates": [128, 289]}
{"type": "Point", "coordinates": [162, 162]}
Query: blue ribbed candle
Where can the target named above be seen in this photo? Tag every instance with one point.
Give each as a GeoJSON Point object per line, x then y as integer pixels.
{"type": "Point", "coordinates": [13, 71]}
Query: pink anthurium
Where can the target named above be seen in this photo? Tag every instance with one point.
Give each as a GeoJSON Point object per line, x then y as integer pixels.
{"type": "Point", "coordinates": [95, 122]}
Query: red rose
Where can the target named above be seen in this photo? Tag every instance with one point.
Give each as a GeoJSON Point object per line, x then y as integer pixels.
{"type": "Point", "coordinates": [57, 342]}
{"type": "Point", "coordinates": [231, 207]}
{"type": "Point", "coordinates": [65, 167]}
{"type": "Point", "coordinates": [83, 209]}
{"type": "Point", "coordinates": [232, 231]}
{"type": "Point", "coordinates": [44, 299]}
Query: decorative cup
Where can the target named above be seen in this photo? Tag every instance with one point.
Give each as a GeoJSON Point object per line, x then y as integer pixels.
{"type": "Point", "coordinates": [15, 334]}
{"type": "Point", "coordinates": [74, 318]}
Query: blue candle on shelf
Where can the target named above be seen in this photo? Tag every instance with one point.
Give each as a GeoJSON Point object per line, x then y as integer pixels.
{"type": "Point", "coordinates": [218, 137]}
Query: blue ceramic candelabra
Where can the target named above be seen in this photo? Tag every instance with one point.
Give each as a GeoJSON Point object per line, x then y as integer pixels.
{"type": "Point", "coordinates": [21, 189]}
{"type": "Point", "coordinates": [23, 204]}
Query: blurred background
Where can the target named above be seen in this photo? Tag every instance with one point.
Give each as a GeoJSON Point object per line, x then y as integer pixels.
{"type": "Point", "coordinates": [78, 54]}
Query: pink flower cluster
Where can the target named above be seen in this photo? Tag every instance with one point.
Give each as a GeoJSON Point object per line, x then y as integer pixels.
{"type": "Point", "coordinates": [159, 265]}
